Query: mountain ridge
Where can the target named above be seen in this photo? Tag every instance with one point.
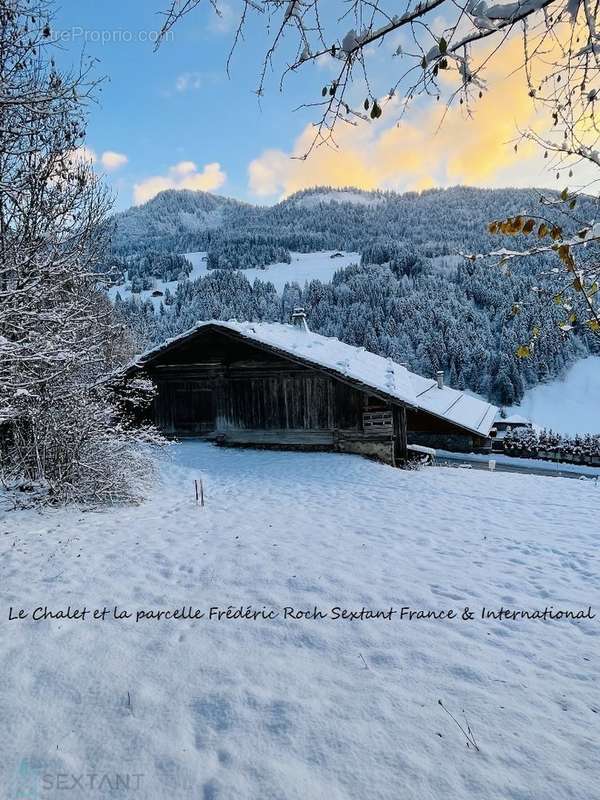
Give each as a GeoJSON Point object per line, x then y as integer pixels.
{"type": "Point", "coordinates": [320, 218]}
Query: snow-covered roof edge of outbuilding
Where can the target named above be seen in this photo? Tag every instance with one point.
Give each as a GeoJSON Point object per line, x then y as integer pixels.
{"type": "Point", "coordinates": [382, 375]}
{"type": "Point", "coordinates": [514, 419]}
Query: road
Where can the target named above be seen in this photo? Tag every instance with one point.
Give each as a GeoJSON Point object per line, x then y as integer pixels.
{"type": "Point", "coordinates": [460, 461]}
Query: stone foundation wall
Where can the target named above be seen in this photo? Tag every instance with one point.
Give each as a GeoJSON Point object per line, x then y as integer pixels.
{"type": "Point", "coordinates": [381, 451]}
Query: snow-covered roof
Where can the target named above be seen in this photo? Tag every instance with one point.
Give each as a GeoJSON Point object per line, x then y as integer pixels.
{"type": "Point", "coordinates": [382, 375]}
{"type": "Point", "coordinates": [453, 405]}
{"type": "Point", "coordinates": [514, 419]}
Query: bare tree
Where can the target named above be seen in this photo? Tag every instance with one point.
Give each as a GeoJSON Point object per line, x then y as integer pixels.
{"type": "Point", "coordinates": [58, 334]}
{"type": "Point", "coordinates": [438, 48]}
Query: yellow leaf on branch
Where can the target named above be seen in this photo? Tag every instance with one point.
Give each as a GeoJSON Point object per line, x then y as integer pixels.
{"type": "Point", "coordinates": [528, 227]}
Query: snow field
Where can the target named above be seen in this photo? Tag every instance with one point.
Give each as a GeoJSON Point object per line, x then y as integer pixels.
{"type": "Point", "coordinates": [567, 406]}
{"type": "Point", "coordinates": [304, 267]}
{"type": "Point", "coordinates": [313, 709]}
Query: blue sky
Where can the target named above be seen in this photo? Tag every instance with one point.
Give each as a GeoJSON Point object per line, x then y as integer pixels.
{"type": "Point", "coordinates": [173, 118]}
{"type": "Point", "coordinates": [175, 105]}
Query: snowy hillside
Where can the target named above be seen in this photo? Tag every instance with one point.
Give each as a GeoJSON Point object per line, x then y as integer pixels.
{"type": "Point", "coordinates": [307, 709]}
{"type": "Point", "coordinates": [303, 267]}
{"type": "Point", "coordinates": [124, 290]}
{"type": "Point", "coordinates": [438, 221]}
{"type": "Point", "coordinates": [169, 217]}
{"type": "Point", "coordinates": [352, 196]}
{"type": "Point", "coordinates": [570, 405]}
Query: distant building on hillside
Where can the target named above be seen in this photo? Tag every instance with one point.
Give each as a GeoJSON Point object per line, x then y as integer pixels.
{"type": "Point", "coordinates": [506, 425]}
{"type": "Point", "coordinates": [282, 386]}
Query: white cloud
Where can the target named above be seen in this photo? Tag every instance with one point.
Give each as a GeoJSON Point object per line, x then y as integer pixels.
{"type": "Point", "coordinates": [189, 81]}
{"type": "Point", "coordinates": [185, 168]}
{"type": "Point", "coordinates": [184, 175]}
{"type": "Point", "coordinates": [111, 160]}
{"type": "Point", "coordinates": [417, 153]}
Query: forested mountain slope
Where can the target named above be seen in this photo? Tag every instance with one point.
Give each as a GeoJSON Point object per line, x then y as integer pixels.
{"type": "Point", "coordinates": [410, 297]}
{"type": "Point", "coordinates": [437, 221]}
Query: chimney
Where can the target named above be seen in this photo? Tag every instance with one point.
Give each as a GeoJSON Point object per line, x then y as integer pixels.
{"type": "Point", "coordinates": [439, 375]}
{"type": "Point", "coordinates": [299, 318]}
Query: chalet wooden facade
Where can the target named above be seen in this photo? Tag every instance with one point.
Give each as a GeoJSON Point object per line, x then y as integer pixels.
{"type": "Point", "coordinates": [267, 385]}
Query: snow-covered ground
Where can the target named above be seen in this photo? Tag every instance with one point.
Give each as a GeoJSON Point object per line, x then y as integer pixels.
{"type": "Point", "coordinates": [304, 267]}
{"type": "Point", "coordinates": [306, 709]}
{"type": "Point", "coordinates": [566, 406]}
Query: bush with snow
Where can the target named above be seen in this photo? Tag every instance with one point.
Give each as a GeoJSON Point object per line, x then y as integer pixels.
{"type": "Point", "coordinates": [60, 430]}
{"type": "Point", "coordinates": [547, 443]}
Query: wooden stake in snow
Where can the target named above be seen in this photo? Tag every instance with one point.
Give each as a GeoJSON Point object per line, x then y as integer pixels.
{"type": "Point", "coordinates": [199, 492]}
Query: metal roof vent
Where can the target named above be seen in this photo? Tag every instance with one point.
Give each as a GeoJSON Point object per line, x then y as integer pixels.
{"type": "Point", "coordinates": [439, 376]}
{"type": "Point", "coordinates": [299, 318]}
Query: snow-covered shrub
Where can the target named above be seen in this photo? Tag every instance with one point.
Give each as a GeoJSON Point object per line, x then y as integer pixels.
{"type": "Point", "coordinates": [76, 447]}
{"type": "Point", "coordinates": [548, 444]}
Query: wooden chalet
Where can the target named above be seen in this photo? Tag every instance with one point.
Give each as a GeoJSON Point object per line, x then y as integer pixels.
{"type": "Point", "coordinates": [282, 386]}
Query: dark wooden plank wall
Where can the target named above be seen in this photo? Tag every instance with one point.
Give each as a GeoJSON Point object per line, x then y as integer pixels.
{"type": "Point", "coordinates": [301, 401]}
{"type": "Point", "coordinates": [201, 399]}
{"type": "Point", "coordinates": [186, 405]}
{"type": "Point", "coordinates": [214, 384]}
